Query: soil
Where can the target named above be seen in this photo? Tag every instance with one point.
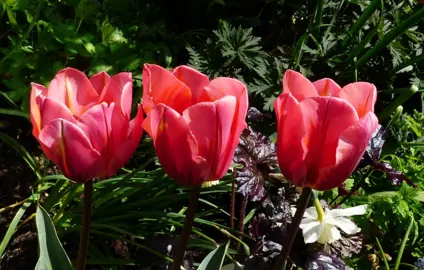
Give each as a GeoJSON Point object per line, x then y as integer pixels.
{"type": "Point", "coordinates": [15, 185]}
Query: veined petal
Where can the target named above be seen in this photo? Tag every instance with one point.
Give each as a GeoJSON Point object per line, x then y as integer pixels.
{"type": "Point", "coordinates": [126, 149]}
{"type": "Point", "coordinates": [222, 86]}
{"type": "Point", "coordinates": [345, 224]}
{"type": "Point", "coordinates": [289, 139]}
{"type": "Point", "coordinates": [350, 149]}
{"type": "Point", "coordinates": [211, 123]}
{"type": "Point", "coordinates": [176, 147]}
{"type": "Point", "coordinates": [347, 212]}
{"type": "Point", "coordinates": [94, 124]}
{"type": "Point", "coordinates": [324, 119]}
{"type": "Point", "coordinates": [38, 94]}
{"type": "Point", "coordinates": [327, 87]}
{"type": "Point", "coordinates": [312, 231]}
{"type": "Point", "coordinates": [298, 86]}
{"type": "Point", "coordinates": [72, 88]}
{"type": "Point", "coordinates": [161, 86]}
{"type": "Point", "coordinates": [329, 234]}
{"type": "Point", "coordinates": [194, 79]}
{"type": "Point", "coordinates": [217, 89]}
{"type": "Point", "coordinates": [99, 81]}
{"type": "Point", "coordinates": [119, 90]}
{"type": "Point", "coordinates": [70, 149]}
{"type": "Point", "coordinates": [52, 109]}
{"type": "Point", "coordinates": [361, 95]}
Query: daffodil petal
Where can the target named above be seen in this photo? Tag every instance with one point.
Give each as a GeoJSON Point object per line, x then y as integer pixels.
{"type": "Point", "coordinates": [329, 234]}
{"type": "Point", "coordinates": [346, 225]}
{"type": "Point", "coordinates": [347, 212]}
{"type": "Point", "coordinates": [306, 221]}
{"type": "Point", "coordinates": [312, 231]}
{"type": "Point", "coordinates": [311, 212]}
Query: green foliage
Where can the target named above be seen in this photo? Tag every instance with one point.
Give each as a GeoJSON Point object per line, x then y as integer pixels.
{"type": "Point", "coordinates": [52, 254]}
{"type": "Point", "coordinates": [380, 41]}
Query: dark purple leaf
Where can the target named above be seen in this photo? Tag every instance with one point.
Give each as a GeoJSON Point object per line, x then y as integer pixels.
{"type": "Point", "coordinates": [256, 154]}
{"type": "Point", "coordinates": [323, 261]}
{"type": "Point", "coordinates": [375, 147]}
{"type": "Point", "coordinates": [393, 174]}
{"type": "Point", "coordinates": [346, 246]}
{"type": "Point", "coordinates": [254, 114]}
{"type": "Point", "coordinates": [373, 154]}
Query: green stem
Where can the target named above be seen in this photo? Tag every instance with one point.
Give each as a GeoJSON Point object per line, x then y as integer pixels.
{"type": "Point", "coordinates": [188, 225]}
{"type": "Point", "coordinates": [366, 14]}
{"type": "Point", "coordinates": [294, 227]}
{"type": "Point", "coordinates": [392, 35]}
{"type": "Point", "coordinates": [402, 246]}
{"type": "Point", "coordinates": [386, 263]}
{"type": "Point", "coordinates": [85, 228]}
{"type": "Point", "coordinates": [402, 98]}
{"type": "Point", "coordinates": [355, 187]}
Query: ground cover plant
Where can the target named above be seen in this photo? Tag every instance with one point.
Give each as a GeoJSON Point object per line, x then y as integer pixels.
{"type": "Point", "coordinates": [140, 201]}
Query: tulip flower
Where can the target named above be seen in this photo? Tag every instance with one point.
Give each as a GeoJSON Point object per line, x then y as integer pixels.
{"type": "Point", "coordinates": [83, 125]}
{"type": "Point", "coordinates": [323, 129]}
{"type": "Point", "coordinates": [195, 123]}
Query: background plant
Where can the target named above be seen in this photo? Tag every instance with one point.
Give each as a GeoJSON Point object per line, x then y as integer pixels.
{"type": "Point", "coordinates": [138, 212]}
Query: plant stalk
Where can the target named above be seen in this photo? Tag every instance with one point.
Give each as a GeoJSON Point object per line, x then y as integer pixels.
{"type": "Point", "coordinates": [281, 262]}
{"type": "Point", "coordinates": [85, 228]}
{"type": "Point", "coordinates": [188, 225]}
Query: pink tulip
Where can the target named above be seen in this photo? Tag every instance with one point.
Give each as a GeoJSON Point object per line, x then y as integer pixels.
{"type": "Point", "coordinates": [195, 123]}
{"type": "Point", "coordinates": [83, 125]}
{"type": "Point", "coordinates": [323, 129]}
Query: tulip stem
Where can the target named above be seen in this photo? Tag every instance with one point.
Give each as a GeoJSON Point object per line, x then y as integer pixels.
{"type": "Point", "coordinates": [281, 262]}
{"type": "Point", "coordinates": [188, 225]}
{"type": "Point", "coordinates": [85, 228]}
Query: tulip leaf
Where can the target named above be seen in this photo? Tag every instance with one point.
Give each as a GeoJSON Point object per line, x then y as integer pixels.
{"type": "Point", "coordinates": [52, 254]}
{"type": "Point", "coordinates": [215, 258]}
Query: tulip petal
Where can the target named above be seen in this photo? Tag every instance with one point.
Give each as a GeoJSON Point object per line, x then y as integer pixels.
{"type": "Point", "coordinates": [69, 148]}
{"type": "Point", "coordinates": [222, 86]}
{"type": "Point", "coordinates": [51, 110]}
{"type": "Point", "coordinates": [119, 90]}
{"type": "Point", "coordinates": [124, 152]}
{"type": "Point", "coordinates": [327, 87]}
{"type": "Point", "coordinates": [95, 125]}
{"type": "Point", "coordinates": [194, 79]}
{"type": "Point", "coordinates": [217, 89]}
{"type": "Point", "coordinates": [297, 85]}
{"type": "Point", "coordinates": [72, 88]}
{"type": "Point", "coordinates": [351, 147]}
{"type": "Point", "coordinates": [211, 124]}
{"type": "Point", "coordinates": [99, 81]}
{"type": "Point", "coordinates": [290, 151]}
{"type": "Point", "coordinates": [161, 86]}
{"type": "Point", "coordinates": [324, 120]}
{"type": "Point", "coordinates": [361, 95]}
{"type": "Point", "coordinates": [38, 93]}
{"type": "Point", "coordinates": [176, 146]}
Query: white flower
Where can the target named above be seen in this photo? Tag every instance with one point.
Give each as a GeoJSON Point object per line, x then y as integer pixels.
{"type": "Point", "coordinates": [325, 229]}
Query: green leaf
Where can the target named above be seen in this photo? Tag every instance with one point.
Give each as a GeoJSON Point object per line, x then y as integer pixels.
{"type": "Point", "coordinates": [52, 254]}
{"type": "Point", "coordinates": [12, 226]}
{"type": "Point", "coordinates": [215, 258]}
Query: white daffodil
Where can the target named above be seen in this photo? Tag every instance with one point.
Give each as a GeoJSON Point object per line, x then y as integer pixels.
{"type": "Point", "coordinates": [323, 227]}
